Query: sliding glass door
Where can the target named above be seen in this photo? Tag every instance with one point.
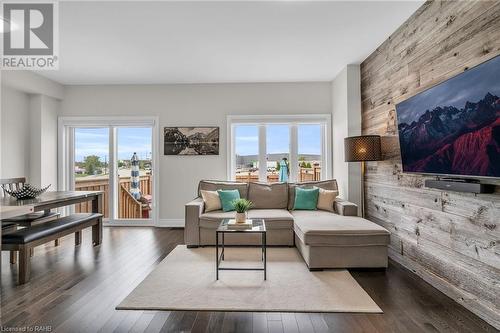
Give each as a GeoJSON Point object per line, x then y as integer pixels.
{"type": "Point", "coordinates": [91, 164]}
{"type": "Point", "coordinates": [134, 152]}
{"type": "Point", "coordinates": [118, 159]}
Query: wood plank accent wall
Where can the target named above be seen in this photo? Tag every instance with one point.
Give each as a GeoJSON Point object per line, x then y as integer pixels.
{"type": "Point", "coordinates": [450, 239]}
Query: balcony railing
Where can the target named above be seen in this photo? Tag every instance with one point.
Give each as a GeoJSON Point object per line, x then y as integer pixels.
{"type": "Point", "coordinates": [305, 174]}
{"type": "Point", "coordinates": [310, 174]}
{"type": "Point", "coordinates": [128, 207]}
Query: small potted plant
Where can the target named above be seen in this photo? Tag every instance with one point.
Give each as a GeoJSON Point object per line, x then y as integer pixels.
{"type": "Point", "coordinates": [241, 206]}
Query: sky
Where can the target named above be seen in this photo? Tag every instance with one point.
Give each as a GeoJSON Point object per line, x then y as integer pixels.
{"type": "Point", "coordinates": [277, 138]}
{"type": "Point", "coordinates": [471, 86]}
{"type": "Point", "coordinates": [95, 141]}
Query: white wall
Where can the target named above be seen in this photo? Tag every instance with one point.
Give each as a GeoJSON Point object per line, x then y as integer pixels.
{"type": "Point", "coordinates": [48, 139]}
{"type": "Point", "coordinates": [194, 105]}
{"type": "Point", "coordinates": [15, 133]}
{"type": "Point", "coordinates": [29, 111]}
{"type": "Point", "coordinates": [32, 83]}
{"type": "Point", "coordinates": [346, 119]}
{"type": "Point", "coordinates": [43, 115]}
{"type": "Point", "coordinates": [35, 153]}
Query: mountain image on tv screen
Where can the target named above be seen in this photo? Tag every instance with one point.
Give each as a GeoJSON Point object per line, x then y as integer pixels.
{"type": "Point", "coordinates": [454, 128]}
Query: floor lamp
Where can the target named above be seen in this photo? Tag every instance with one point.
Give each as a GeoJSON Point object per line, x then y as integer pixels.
{"type": "Point", "coordinates": [361, 149]}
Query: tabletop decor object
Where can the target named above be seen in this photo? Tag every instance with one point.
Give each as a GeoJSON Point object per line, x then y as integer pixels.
{"type": "Point", "coordinates": [28, 191]}
{"type": "Point", "coordinates": [232, 224]}
{"type": "Point", "coordinates": [241, 206]}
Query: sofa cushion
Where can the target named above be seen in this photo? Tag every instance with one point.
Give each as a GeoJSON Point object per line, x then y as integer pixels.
{"type": "Point", "coordinates": [216, 215]}
{"type": "Point", "coordinates": [268, 196]}
{"type": "Point", "coordinates": [213, 185]}
{"type": "Point", "coordinates": [329, 229]}
{"type": "Point", "coordinates": [275, 218]}
{"type": "Point", "coordinates": [306, 198]}
{"type": "Point", "coordinates": [211, 200]}
{"type": "Point", "coordinates": [324, 184]}
{"type": "Point", "coordinates": [227, 199]}
{"type": "Point", "coordinates": [270, 214]}
{"type": "Point", "coordinates": [326, 200]}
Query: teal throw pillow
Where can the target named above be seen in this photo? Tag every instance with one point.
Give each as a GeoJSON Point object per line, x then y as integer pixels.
{"type": "Point", "coordinates": [306, 198]}
{"type": "Point", "coordinates": [227, 197]}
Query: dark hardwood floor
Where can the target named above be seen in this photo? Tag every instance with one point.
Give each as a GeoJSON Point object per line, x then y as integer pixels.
{"type": "Point", "coordinates": [76, 290]}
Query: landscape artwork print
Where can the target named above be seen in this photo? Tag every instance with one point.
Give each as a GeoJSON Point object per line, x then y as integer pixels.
{"type": "Point", "coordinates": [454, 128]}
{"type": "Point", "coordinates": [191, 140]}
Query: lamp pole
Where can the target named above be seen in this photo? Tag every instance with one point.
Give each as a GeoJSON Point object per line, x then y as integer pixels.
{"type": "Point", "coordinates": [363, 189]}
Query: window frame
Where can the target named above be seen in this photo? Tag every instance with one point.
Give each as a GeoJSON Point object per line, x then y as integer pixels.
{"type": "Point", "coordinates": [293, 121]}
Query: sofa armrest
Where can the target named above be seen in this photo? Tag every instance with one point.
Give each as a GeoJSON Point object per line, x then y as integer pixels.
{"type": "Point", "coordinates": [346, 208]}
{"type": "Point", "coordinates": [194, 209]}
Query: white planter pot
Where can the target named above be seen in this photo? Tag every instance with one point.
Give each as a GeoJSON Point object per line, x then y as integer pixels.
{"type": "Point", "coordinates": [241, 217]}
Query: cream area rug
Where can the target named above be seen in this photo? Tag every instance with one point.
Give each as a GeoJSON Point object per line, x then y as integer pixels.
{"type": "Point", "coordinates": [185, 280]}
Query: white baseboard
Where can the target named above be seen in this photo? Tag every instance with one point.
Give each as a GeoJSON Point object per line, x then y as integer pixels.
{"type": "Point", "coordinates": [162, 223]}
{"type": "Point", "coordinates": [128, 224]}
{"type": "Point", "coordinates": [171, 223]}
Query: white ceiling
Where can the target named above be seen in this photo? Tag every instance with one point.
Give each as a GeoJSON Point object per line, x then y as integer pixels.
{"type": "Point", "coordinates": [207, 42]}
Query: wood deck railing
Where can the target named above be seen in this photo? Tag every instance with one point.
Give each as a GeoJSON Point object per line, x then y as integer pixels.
{"type": "Point", "coordinates": [305, 174]}
{"type": "Point", "coordinates": [254, 177]}
{"type": "Point", "coordinates": [129, 207]}
{"type": "Point", "coordinates": [310, 174]}
{"type": "Point", "coordinates": [125, 206]}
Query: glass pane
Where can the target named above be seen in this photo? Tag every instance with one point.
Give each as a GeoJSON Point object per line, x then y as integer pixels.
{"type": "Point", "coordinates": [278, 153]}
{"type": "Point", "coordinates": [247, 152]}
{"type": "Point", "coordinates": [91, 165]}
{"type": "Point", "coordinates": [309, 152]}
{"type": "Point", "coordinates": [135, 183]}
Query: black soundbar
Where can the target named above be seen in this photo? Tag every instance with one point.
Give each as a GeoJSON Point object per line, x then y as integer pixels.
{"type": "Point", "coordinates": [458, 185]}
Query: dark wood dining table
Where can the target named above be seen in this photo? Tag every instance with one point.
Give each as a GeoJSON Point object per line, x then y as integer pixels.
{"type": "Point", "coordinates": [51, 200]}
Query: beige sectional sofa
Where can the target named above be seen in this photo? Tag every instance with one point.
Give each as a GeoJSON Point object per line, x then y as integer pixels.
{"type": "Point", "coordinates": [338, 239]}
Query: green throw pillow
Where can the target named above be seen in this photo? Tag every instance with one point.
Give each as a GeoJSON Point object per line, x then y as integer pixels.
{"type": "Point", "coordinates": [306, 198]}
{"type": "Point", "coordinates": [227, 197]}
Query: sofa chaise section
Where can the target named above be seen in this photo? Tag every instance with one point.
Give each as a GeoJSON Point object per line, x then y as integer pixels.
{"type": "Point", "coordinates": [329, 240]}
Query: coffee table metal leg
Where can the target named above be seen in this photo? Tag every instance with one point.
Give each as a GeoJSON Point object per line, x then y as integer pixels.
{"type": "Point", "coordinates": [216, 255]}
{"type": "Point", "coordinates": [223, 245]}
{"type": "Point", "coordinates": [262, 247]}
{"type": "Point", "coordinates": [265, 256]}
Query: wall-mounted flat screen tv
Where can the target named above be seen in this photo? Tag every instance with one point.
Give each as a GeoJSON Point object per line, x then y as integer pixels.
{"type": "Point", "coordinates": [453, 128]}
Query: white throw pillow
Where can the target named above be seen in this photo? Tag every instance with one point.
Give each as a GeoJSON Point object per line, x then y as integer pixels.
{"type": "Point", "coordinates": [326, 198]}
{"type": "Point", "coordinates": [211, 200]}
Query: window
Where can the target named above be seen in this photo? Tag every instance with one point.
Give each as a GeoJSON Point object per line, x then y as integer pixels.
{"type": "Point", "coordinates": [309, 152]}
{"type": "Point", "coordinates": [260, 146]}
{"type": "Point", "coordinates": [247, 153]}
{"type": "Point", "coordinates": [277, 149]}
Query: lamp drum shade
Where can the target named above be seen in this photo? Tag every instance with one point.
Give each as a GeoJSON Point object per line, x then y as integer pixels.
{"type": "Point", "coordinates": [362, 148]}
